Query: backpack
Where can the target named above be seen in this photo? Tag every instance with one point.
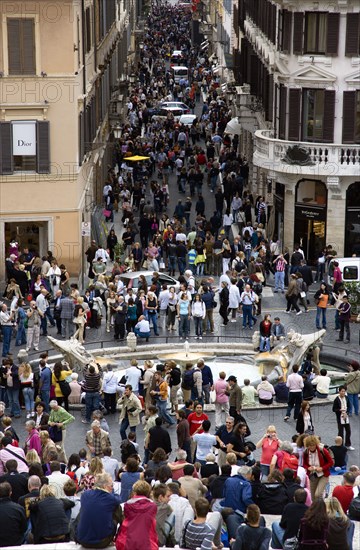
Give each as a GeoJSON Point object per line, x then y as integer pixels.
{"type": "Point", "coordinates": [127, 450]}
{"type": "Point", "coordinates": [64, 387]}
{"type": "Point", "coordinates": [304, 287]}
{"type": "Point", "coordinates": [354, 509]}
{"type": "Point", "coordinates": [257, 288]}
{"type": "Point", "coordinates": [289, 461]}
{"type": "Point", "coordinates": [188, 379]}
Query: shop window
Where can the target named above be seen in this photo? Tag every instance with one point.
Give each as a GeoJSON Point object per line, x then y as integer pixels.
{"type": "Point", "coordinates": [24, 147]}
{"type": "Point", "coordinates": [311, 192]}
{"type": "Point", "coordinates": [315, 32]}
{"type": "Point", "coordinates": [350, 273]}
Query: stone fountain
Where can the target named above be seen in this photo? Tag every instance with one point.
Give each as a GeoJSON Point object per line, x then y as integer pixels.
{"type": "Point", "coordinates": [185, 356]}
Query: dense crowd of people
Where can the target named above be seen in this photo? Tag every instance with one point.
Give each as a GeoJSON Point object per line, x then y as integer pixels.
{"type": "Point", "coordinates": [216, 491]}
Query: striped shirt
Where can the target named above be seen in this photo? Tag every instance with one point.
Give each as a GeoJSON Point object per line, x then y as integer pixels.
{"type": "Point", "coordinates": [197, 535]}
{"type": "Point", "coordinates": [92, 382]}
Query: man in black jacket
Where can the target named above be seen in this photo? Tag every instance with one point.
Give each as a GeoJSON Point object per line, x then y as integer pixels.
{"type": "Point", "coordinates": [18, 482]}
{"type": "Point", "coordinates": [158, 437]}
{"type": "Point", "coordinates": [290, 520]}
{"type": "Point", "coordinates": [12, 519]}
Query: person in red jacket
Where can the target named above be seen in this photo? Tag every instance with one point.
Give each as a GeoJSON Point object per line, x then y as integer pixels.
{"type": "Point", "coordinates": [138, 530]}
{"type": "Point", "coordinates": [317, 462]}
{"type": "Point", "coordinates": [345, 492]}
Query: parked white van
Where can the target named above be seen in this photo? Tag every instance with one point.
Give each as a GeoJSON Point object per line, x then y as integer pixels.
{"type": "Point", "coordinates": [179, 72]}
{"type": "Point", "coordinates": [349, 267]}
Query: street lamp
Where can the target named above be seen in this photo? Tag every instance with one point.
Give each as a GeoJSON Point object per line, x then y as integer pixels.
{"type": "Point", "coordinates": [117, 131]}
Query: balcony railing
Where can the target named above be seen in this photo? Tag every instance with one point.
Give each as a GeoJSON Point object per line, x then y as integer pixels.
{"type": "Point", "coordinates": [327, 159]}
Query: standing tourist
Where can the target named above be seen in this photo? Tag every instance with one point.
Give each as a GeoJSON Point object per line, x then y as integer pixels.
{"type": "Point", "coordinates": [295, 383]}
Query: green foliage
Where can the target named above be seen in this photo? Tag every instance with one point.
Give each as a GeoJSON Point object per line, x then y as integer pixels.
{"type": "Point", "coordinates": [353, 290]}
{"type": "Point", "coordinates": [119, 251]}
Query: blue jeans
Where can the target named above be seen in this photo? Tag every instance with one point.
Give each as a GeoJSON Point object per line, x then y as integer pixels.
{"type": "Point", "coordinates": [354, 403]}
{"type": "Point", "coordinates": [141, 334]}
{"type": "Point", "coordinates": [320, 312]}
{"type": "Point", "coordinates": [161, 406]}
{"type": "Point", "coordinates": [172, 264]}
{"type": "Point", "coordinates": [45, 397]}
{"type": "Point", "coordinates": [7, 332]}
{"type": "Point", "coordinates": [124, 426]}
{"type": "Point", "coordinates": [279, 280]}
{"type": "Point", "coordinates": [43, 325]}
{"type": "Point", "coordinates": [14, 405]}
{"type": "Point", "coordinates": [28, 394]}
{"type": "Point", "coordinates": [92, 402]}
{"type": "Point", "coordinates": [182, 265]}
{"type": "Point", "coordinates": [247, 315]}
{"type": "Point", "coordinates": [295, 398]}
{"type": "Point", "coordinates": [277, 535]}
{"type": "Point", "coordinates": [153, 318]}
{"type": "Point", "coordinates": [321, 395]}
{"type": "Point", "coordinates": [20, 335]}
{"type": "Point", "coordinates": [264, 343]}
{"type": "Point", "coordinates": [184, 327]}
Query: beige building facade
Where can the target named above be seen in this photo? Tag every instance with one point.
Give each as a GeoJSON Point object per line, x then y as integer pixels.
{"type": "Point", "coordinates": [61, 64]}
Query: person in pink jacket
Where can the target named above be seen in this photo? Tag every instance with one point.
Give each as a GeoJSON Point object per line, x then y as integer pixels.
{"type": "Point", "coordinates": [221, 400]}
{"type": "Point", "coordinates": [32, 441]}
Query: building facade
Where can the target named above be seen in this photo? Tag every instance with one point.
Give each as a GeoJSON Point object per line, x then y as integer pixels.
{"type": "Point", "coordinates": [302, 63]}
{"type": "Point", "coordinates": [61, 64]}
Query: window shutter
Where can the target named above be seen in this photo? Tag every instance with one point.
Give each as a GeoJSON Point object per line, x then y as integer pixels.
{"type": "Point", "coordinates": [298, 35]}
{"type": "Point", "coordinates": [348, 127]}
{"type": "Point", "coordinates": [352, 34]}
{"type": "Point", "coordinates": [294, 114]}
{"type": "Point", "coordinates": [13, 30]}
{"type": "Point", "coordinates": [329, 114]}
{"type": "Point", "coordinates": [6, 157]}
{"type": "Point", "coordinates": [286, 31]}
{"type": "Point", "coordinates": [270, 97]}
{"type": "Point", "coordinates": [28, 46]}
{"type": "Point", "coordinates": [282, 111]}
{"type": "Point", "coordinates": [43, 147]}
{"type": "Point", "coordinates": [332, 39]}
{"type": "Point", "coordinates": [81, 138]}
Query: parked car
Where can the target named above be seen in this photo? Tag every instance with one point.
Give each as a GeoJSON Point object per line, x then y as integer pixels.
{"type": "Point", "coordinates": [177, 104]}
{"type": "Point", "coordinates": [187, 120]}
{"type": "Point", "coordinates": [164, 112]}
{"type": "Point", "coordinates": [131, 279]}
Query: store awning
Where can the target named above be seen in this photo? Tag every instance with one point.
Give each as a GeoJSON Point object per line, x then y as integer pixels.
{"type": "Point", "coordinates": [233, 126]}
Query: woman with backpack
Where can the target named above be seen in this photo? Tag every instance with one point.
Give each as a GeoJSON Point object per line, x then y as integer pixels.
{"type": "Point", "coordinates": [314, 527]}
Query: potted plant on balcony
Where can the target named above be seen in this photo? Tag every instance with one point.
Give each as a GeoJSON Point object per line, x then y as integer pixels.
{"type": "Point", "coordinates": [353, 290]}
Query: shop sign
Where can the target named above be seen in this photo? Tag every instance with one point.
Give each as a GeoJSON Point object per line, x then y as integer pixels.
{"type": "Point", "coordinates": [24, 138]}
{"type": "Point", "coordinates": [310, 212]}
{"type": "Point", "coordinates": [85, 229]}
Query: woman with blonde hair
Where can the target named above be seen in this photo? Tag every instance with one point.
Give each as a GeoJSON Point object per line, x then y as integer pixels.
{"type": "Point", "coordinates": [341, 528]}
{"type": "Point", "coordinates": [47, 446]}
{"type": "Point", "coordinates": [80, 320]}
{"type": "Point", "coordinates": [269, 444]}
{"type": "Point", "coordinates": [32, 457]}
{"type": "Point", "coordinates": [26, 377]}
{"type": "Point", "coordinates": [96, 467]}
{"type": "Point", "coordinates": [110, 301]}
{"type": "Point", "coordinates": [44, 528]}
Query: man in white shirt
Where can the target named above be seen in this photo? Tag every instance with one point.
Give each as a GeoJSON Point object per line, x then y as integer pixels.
{"type": "Point", "coordinates": [103, 254]}
{"type": "Point", "coordinates": [182, 510]}
{"type": "Point", "coordinates": [322, 384]}
{"type": "Point", "coordinates": [133, 375]}
{"type": "Point", "coordinates": [295, 383]}
{"type": "Point", "coordinates": [111, 465]}
{"type": "Point", "coordinates": [57, 479]}
{"type": "Point", "coordinates": [205, 442]}
{"type": "Point", "coordinates": [142, 328]}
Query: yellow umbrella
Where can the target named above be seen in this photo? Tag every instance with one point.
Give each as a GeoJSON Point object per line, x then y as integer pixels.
{"type": "Point", "coordinates": [136, 158]}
